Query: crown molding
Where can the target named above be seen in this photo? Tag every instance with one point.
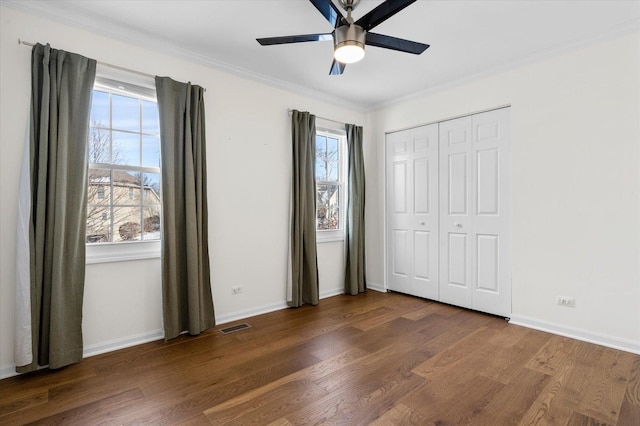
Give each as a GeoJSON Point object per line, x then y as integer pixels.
{"type": "Point", "coordinates": [629, 27]}
{"type": "Point", "coordinates": [127, 35]}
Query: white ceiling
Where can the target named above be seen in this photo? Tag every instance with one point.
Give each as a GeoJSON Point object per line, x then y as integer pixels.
{"type": "Point", "coordinates": [467, 38]}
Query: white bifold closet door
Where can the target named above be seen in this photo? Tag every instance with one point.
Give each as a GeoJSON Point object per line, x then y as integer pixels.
{"type": "Point", "coordinates": [412, 211]}
{"type": "Point", "coordinates": [475, 209]}
{"type": "Point", "coordinates": [448, 212]}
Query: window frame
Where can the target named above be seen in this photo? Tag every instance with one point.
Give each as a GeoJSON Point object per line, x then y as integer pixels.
{"type": "Point", "coordinates": [324, 235]}
{"type": "Point", "coordinates": [140, 87]}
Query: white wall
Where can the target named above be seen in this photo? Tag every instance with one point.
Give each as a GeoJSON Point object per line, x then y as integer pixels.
{"type": "Point", "coordinates": [576, 184]}
{"type": "Point", "coordinates": [248, 156]}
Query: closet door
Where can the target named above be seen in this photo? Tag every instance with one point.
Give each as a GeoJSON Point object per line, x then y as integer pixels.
{"type": "Point", "coordinates": [412, 211]}
{"type": "Point", "coordinates": [475, 208]}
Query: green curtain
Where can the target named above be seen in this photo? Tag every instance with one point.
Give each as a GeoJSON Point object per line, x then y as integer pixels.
{"type": "Point", "coordinates": [304, 262]}
{"type": "Point", "coordinates": [187, 301]}
{"type": "Point", "coordinates": [354, 281]}
{"type": "Point", "coordinates": [61, 88]}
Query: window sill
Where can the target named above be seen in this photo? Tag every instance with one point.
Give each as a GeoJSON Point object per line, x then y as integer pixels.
{"type": "Point", "coordinates": [122, 252]}
{"type": "Point", "coordinates": [330, 237]}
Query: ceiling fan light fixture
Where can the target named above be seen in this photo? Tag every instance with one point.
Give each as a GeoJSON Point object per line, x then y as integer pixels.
{"type": "Point", "coordinates": [349, 53]}
{"type": "Point", "coordinates": [349, 44]}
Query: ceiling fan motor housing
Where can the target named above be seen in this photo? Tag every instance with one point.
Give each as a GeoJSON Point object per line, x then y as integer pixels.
{"type": "Point", "coordinates": [349, 35]}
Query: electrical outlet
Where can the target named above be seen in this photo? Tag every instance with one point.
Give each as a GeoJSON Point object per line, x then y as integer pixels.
{"type": "Point", "coordinates": [236, 290]}
{"type": "Point", "coordinates": [569, 302]}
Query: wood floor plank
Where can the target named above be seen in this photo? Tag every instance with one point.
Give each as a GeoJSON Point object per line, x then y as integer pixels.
{"type": "Point", "coordinates": [354, 371]}
{"type": "Point", "coordinates": [377, 387]}
{"type": "Point", "coordinates": [504, 363]}
{"type": "Point", "coordinates": [400, 415]}
{"type": "Point", "coordinates": [95, 412]}
{"type": "Point", "coordinates": [454, 354]}
{"type": "Point", "coordinates": [231, 366]}
{"type": "Point", "coordinates": [350, 360]}
{"type": "Point", "coordinates": [452, 398]}
{"type": "Point", "coordinates": [162, 409]}
{"type": "Point", "coordinates": [70, 395]}
{"type": "Point", "coordinates": [281, 422]}
{"type": "Point", "coordinates": [312, 373]}
{"type": "Point", "coordinates": [630, 409]}
{"type": "Point", "coordinates": [333, 343]}
{"type": "Point", "coordinates": [200, 393]}
{"type": "Point", "coordinates": [383, 316]}
{"type": "Point", "coordinates": [446, 331]}
{"type": "Point", "coordinates": [271, 406]}
{"type": "Point", "coordinates": [14, 406]}
{"type": "Point", "coordinates": [23, 386]}
{"type": "Point", "coordinates": [354, 404]}
{"type": "Point", "coordinates": [540, 412]}
{"type": "Point", "coordinates": [579, 419]}
{"type": "Point", "coordinates": [385, 334]}
{"type": "Point", "coordinates": [553, 355]}
{"type": "Point", "coordinates": [427, 308]}
{"type": "Point", "coordinates": [568, 383]}
{"type": "Point", "coordinates": [514, 399]}
{"type": "Point", "coordinates": [602, 396]}
{"type": "Point", "coordinates": [197, 420]}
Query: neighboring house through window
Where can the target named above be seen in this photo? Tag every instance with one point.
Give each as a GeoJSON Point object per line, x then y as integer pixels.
{"type": "Point", "coordinates": [123, 203]}
{"type": "Point", "coordinates": [330, 189]}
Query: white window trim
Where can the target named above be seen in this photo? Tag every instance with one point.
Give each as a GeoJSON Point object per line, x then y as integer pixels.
{"type": "Point", "coordinates": [123, 251]}
{"type": "Point", "coordinates": [125, 83]}
{"type": "Point", "coordinates": [323, 236]}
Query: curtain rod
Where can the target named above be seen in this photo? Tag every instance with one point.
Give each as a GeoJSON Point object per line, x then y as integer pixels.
{"type": "Point", "coordinates": [322, 118]}
{"type": "Point", "coordinates": [106, 64]}
{"type": "Point", "coordinates": [144, 74]}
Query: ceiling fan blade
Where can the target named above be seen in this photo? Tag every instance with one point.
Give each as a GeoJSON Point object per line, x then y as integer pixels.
{"type": "Point", "coordinates": [337, 68]}
{"type": "Point", "coordinates": [330, 12]}
{"type": "Point", "coordinates": [395, 43]}
{"type": "Point", "coordinates": [381, 13]}
{"type": "Point", "coordinates": [268, 41]}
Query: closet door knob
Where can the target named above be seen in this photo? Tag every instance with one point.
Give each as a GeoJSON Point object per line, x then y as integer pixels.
{"type": "Point", "coordinates": [459, 225]}
{"type": "Point", "coordinates": [422, 222]}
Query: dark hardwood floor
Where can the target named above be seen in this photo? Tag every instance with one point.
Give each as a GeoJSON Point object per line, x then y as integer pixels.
{"type": "Point", "coordinates": [383, 359]}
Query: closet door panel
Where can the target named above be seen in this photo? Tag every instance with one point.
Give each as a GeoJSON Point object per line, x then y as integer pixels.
{"type": "Point", "coordinates": [399, 209]}
{"type": "Point", "coordinates": [492, 212]}
{"type": "Point", "coordinates": [424, 282]}
{"type": "Point", "coordinates": [455, 205]}
{"type": "Point", "coordinates": [412, 212]}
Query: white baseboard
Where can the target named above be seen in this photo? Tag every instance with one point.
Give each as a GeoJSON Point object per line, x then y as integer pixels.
{"type": "Point", "coordinates": [577, 333]}
{"type": "Point", "coordinates": [239, 315]}
{"type": "Point", "coordinates": [331, 293]}
{"type": "Point", "coordinates": [376, 287]}
{"type": "Point", "coordinates": [7, 371]}
{"type": "Point", "coordinates": [124, 342]}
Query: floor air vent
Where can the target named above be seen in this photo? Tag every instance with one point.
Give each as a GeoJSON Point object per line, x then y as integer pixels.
{"type": "Point", "coordinates": [234, 328]}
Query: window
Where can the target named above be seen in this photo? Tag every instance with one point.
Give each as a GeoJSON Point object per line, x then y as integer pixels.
{"type": "Point", "coordinates": [123, 199]}
{"type": "Point", "coordinates": [330, 191]}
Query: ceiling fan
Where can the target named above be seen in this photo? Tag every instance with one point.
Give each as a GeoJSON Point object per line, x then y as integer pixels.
{"type": "Point", "coordinates": [349, 36]}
